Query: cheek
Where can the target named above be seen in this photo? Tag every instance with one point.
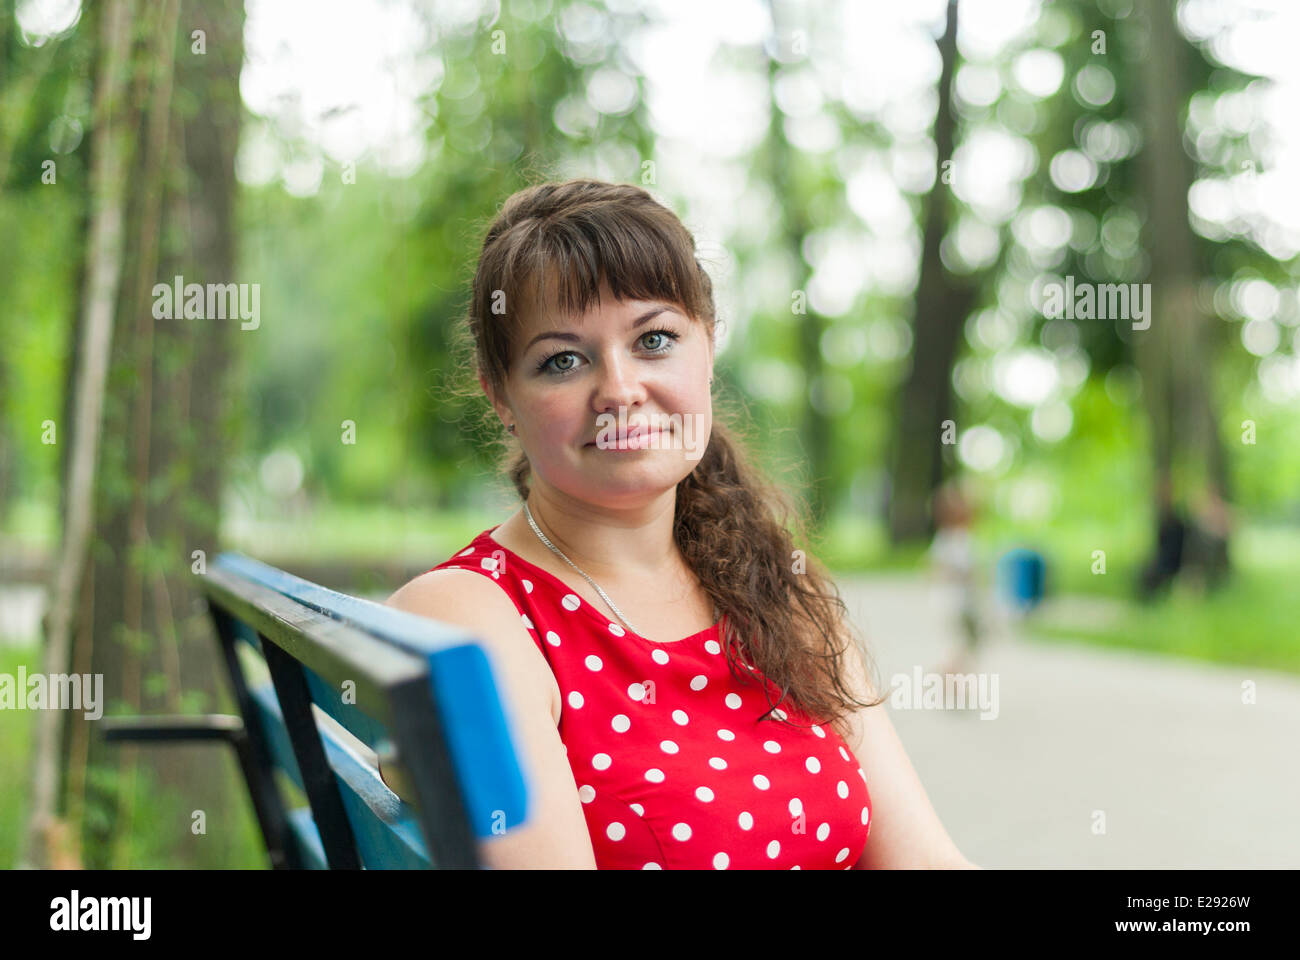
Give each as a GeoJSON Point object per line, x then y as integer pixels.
{"type": "Point", "coordinates": [554, 416]}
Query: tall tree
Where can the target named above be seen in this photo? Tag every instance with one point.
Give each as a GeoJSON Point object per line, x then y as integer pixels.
{"type": "Point", "coordinates": [112, 126]}
{"type": "Point", "coordinates": [137, 618]}
{"type": "Point", "coordinates": [942, 303]}
{"type": "Point", "coordinates": [1175, 353]}
{"type": "Point", "coordinates": [783, 172]}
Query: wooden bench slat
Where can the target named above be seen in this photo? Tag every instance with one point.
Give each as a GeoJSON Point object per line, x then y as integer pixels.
{"type": "Point", "coordinates": [465, 693]}
{"type": "Point", "coordinates": [385, 828]}
{"type": "Point", "coordinates": [307, 838]}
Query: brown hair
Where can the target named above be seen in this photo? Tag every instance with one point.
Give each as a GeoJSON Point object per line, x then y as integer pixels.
{"type": "Point", "coordinates": [552, 245]}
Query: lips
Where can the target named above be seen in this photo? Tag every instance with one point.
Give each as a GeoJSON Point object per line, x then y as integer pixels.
{"type": "Point", "coordinates": [635, 437]}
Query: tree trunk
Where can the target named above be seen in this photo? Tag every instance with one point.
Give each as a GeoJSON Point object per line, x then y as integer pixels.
{"type": "Point", "coordinates": [141, 621]}
{"type": "Point", "coordinates": [925, 398]}
{"type": "Point", "coordinates": [1175, 353]}
{"type": "Point", "coordinates": [794, 228]}
{"type": "Point", "coordinates": [112, 119]}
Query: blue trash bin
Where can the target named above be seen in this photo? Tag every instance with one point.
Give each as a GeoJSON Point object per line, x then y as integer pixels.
{"type": "Point", "coordinates": [1021, 573]}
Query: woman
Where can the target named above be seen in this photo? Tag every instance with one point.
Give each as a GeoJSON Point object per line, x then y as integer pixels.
{"type": "Point", "coordinates": [681, 678]}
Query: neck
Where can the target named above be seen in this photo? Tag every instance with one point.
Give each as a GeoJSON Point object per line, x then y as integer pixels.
{"type": "Point", "coordinates": [608, 544]}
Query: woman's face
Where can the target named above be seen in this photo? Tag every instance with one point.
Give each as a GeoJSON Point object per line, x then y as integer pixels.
{"type": "Point", "coordinates": [612, 408]}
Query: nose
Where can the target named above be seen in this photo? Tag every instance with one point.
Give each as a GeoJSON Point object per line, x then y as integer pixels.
{"type": "Point", "coordinates": [619, 385]}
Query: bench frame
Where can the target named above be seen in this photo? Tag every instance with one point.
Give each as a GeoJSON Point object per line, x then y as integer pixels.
{"type": "Point", "coordinates": [308, 633]}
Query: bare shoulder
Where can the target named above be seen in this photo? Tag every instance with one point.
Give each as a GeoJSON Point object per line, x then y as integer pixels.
{"type": "Point", "coordinates": [441, 589]}
{"type": "Point", "coordinates": [468, 599]}
{"type": "Point", "coordinates": [459, 596]}
{"type": "Point", "coordinates": [554, 833]}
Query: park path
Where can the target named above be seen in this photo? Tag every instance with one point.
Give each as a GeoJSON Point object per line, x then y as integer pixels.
{"type": "Point", "coordinates": [1185, 773]}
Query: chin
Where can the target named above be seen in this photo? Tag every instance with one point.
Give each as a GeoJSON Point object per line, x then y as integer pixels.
{"type": "Point", "coordinates": [630, 488]}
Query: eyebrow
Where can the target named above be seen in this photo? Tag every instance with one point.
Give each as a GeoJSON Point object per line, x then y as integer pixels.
{"type": "Point", "coordinates": [574, 338]}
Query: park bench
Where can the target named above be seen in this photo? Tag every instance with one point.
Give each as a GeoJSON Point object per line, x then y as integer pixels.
{"type": "Point", "coordinates": [312, 669]}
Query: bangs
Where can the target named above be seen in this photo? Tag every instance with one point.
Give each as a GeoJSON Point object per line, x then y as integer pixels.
{"type": "Point", "coordinates": [559, 268]}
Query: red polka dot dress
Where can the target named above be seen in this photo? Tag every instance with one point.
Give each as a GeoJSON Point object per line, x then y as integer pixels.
{"type": "Point", "coordinates": [672, 769]}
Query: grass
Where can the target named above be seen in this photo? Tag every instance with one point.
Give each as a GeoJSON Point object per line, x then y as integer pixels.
{"type": "Point", "coordinates": [359, 533]}
{"type": "Point", "coordinates": [15, 735]}
{"type": "Point", "coordinates": [1252, 620]}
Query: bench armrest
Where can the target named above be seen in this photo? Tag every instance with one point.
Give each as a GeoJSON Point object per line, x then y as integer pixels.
{"type": "Point", "coordinates": [213, 726]}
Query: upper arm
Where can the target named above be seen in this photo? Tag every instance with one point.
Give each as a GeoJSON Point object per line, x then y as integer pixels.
{"type": "Point", "coordinates": [905, 830]}
{"type": "Point", "coordinates": [554, 834]}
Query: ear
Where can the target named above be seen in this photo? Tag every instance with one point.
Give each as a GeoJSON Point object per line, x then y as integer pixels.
{"type": "Point", "coordinates": [501, 411]}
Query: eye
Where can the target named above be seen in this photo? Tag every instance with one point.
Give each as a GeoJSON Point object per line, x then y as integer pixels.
{"type": "Point", "coordinates": [661, 334]}
{"type": "Point", "coordinates": [551, 363]}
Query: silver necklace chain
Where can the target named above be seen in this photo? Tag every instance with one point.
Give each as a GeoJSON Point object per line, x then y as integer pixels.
{"type": "Point", "coordinates": [556, 550]}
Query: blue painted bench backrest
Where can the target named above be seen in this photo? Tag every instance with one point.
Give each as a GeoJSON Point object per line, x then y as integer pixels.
{"type": "Point", "coordinates": [459, 679]}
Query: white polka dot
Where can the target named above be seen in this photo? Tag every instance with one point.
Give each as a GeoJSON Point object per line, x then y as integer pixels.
{"type": "Point", "coordinates": [616, 630]}
{"type": "Point", "coordinates": [845, 754]}
{"type": "Point", "coordinates": [640, 810]}
{"type": "Point", "coordinates": [528, 585]}
{"type": "Point", "coordinates": [698, 682]}
{"type": "Point", "coordinates": [571, 601]}
{"type": "Point", "coordinates": [771, 746]}
{"type": "Point", "coordinates": [773, 849]}
{"type": "Point", "coordinates": [575, 699]}
{"type": "Point", "coordinates": [601, 761]}
{"type": "Point", "coordinates": [726, 735]}
{"type": "Point", "coordinates": [823, 831]}
{"type": "Point", "coordinates": [733, 701]}
{"type": "Point", "coordinates": [842, 789]}
{"type": "Point", "coordinates": [717, 763]}
{"type": "Point", "coordinates": [704, 793]}
{"type": "Point", "coordinates": [636, 691]}
{"type": "Point", "coordinates": [552, 638]}
{"type": "Point", "coordinates": [795, 867]}
{"type": "Point", "coordinates": [586, 793]}
{"type": "Point", "coordinates": [720, 861]}
{"type": "Point", "coordinates": [779, 713]}
{"type": "Point", "coordinates": [712, 646]}
{"type": "Point", "coordinates": [528, 623]}
{"type": "Point", "coordinates": [488, 563]}
{"type": "Point", "coordinates": [659, 657]}
{"type": "Point", "coordinates": [667, 746]}
{"type": "Point", "coordinates": [862, 775]}
{"type": "Point", "coordinates": [839, 857]}
{"type": "Point", "coordinates": [616, 831]}
{"type": "Point", "coordinates": [682, 831]}
{"type": "Point", "coordinates": [866, 815]}
{"type": "Point", "coordinates": [680, 718]}
{"type": "Point", "coordinates": [465, 553]}
{"type": "Point", "coordinates": [621, 723]}
{"type": "Point", "coordinates": [796, 806]}
{"type": "Point", "coordinates": [746, 820]}
{"type": "Point", "coordinates": [818, 730]}
{"type": "Point", "coordinates": [813, 764]}
{"type": "Point", "coordinates": [654, 775]}
{"type": "Point", "coordinates": [593, 662]}
{"type": "Point", "coordinates": [761, 781]}
{"type": "Point", "coordinates": [652, 866]}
